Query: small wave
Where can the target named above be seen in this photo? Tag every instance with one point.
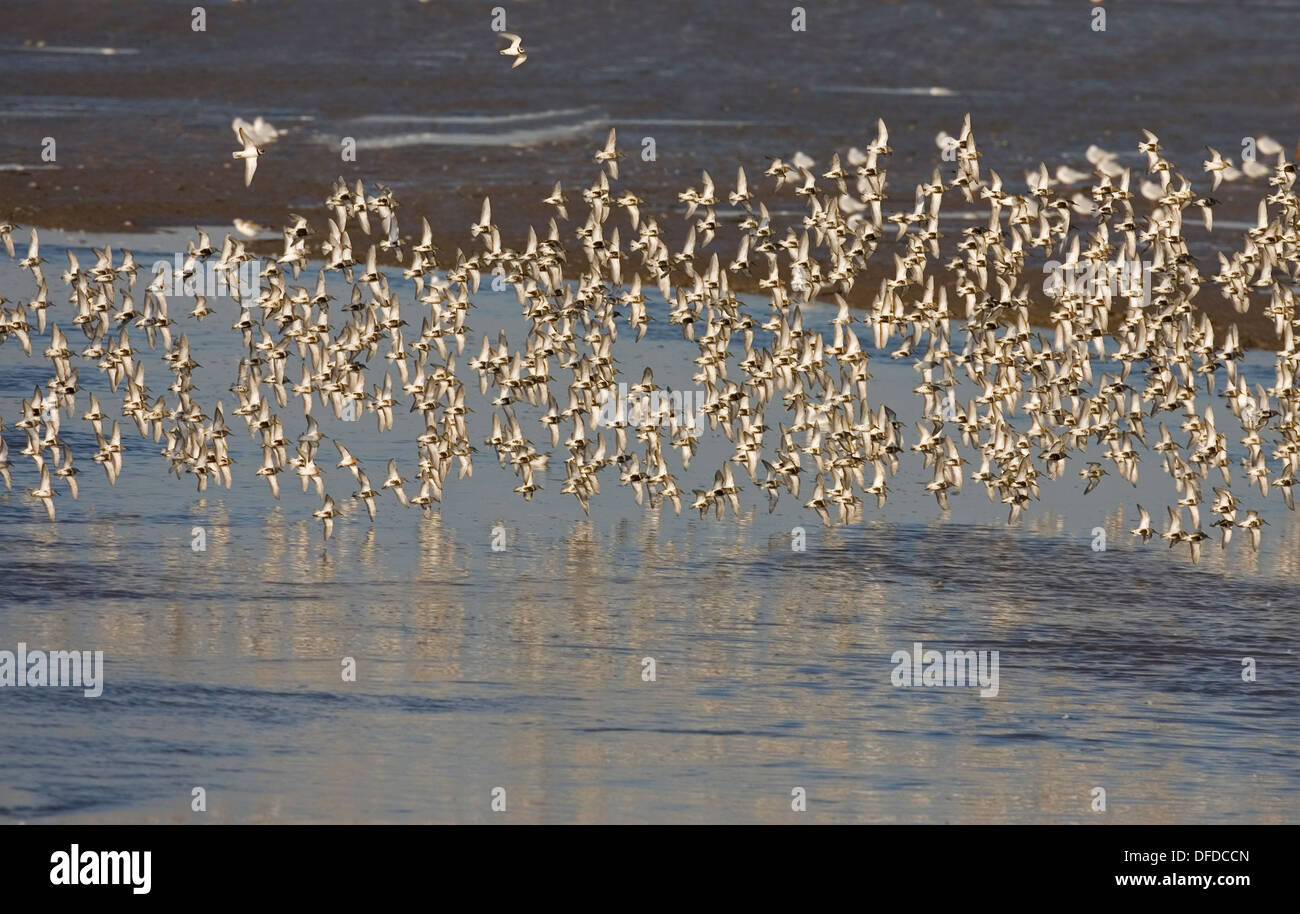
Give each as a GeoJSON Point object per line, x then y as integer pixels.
{"type": "Point", "coordinates": [471, 119]}
{"type": "Point", "coordinates": [85, 106]}
{"type": "Point", "coordinates": [523, 137]}
{"type": "Point", "coordinates": [54, 49]}
{"type": "Point", "coordinates": [930, 91]}
{"type": "Point", "coordinates": [963, 216]}
{"type": "Point", "coordinates": [1234, 225]}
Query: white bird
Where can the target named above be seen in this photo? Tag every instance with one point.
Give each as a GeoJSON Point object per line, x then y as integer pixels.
{"type": "Point", "coordinates": [33, 258]}
{"type": "Point", "coordinates": [1268, 146]}
{"type": "Point", "coordinates": [516, 49]}
{"type": "Point", "coordinates": [610, 154]}
{"type": "Point", "coordinates": [1252, 168]}
{"type": "Point", "coordinates": [1252, 523]}
{"type": "Point", "coordinates": [249, 154]}
{"type": "Point", "coordinates": [259, 131]}
{"type": "Point", "coordinates": [557, 200]}
{"type": "Point", "coordinates": [1067, 175]}
{"type": "Point", "coordinates": [45, 492]}
{"type": "Point", "coordinates": [245, 227]}
{"type": "Point", "coordinates": [326, 515]}
{"type": "Point", "coordinates": [1218, 165]}
{"type": "Point", "coordinates": [1143, 528]}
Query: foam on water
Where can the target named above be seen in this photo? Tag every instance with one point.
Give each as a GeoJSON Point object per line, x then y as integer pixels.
{"type": "Point", "coordinates": [53, 49]}
{"type": "Point", "coordinates": [921, 91]}
{"type": "Point", "coordinates": [516, 137]}
{"type": "Point", "coordinates": [485, 120]}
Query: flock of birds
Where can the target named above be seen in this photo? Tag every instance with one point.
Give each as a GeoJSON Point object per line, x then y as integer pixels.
{"type": "Point", "coordinates": [1039, 398]}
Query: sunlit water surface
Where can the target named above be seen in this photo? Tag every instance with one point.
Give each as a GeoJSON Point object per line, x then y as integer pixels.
{"type": "Point", "coordinates": [522, 669]}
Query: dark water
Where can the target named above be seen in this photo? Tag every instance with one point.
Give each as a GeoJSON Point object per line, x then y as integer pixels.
{"type": "Point", "coordinates": [522, 669]}
{"type": "Point", "coordinates": [143, 133]}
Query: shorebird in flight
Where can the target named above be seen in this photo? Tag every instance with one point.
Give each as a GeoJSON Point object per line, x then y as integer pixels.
{"type": "Point", "coordinates": [515, 50]}
{"type": "Point", "coordinates": [250, 154]}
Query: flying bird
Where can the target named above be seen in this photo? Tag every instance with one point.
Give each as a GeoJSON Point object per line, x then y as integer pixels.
{"type": "Point", "coordinates": [516, 49]}
{"type": "Point", "coordinates": [250, 154]}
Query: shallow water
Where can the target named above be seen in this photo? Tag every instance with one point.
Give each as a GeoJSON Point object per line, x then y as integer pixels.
{"type": "Point", "coordinates": [522, 668]}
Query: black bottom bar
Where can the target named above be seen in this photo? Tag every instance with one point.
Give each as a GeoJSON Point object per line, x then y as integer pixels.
{"type": "Point", "coordinates": [301, 863]}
